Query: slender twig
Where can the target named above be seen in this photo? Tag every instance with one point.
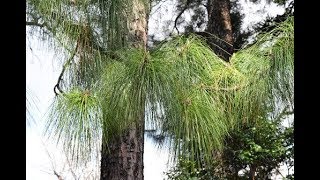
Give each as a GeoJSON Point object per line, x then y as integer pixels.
{"type": "Point", "coordinates": [36, 23]}
{"type": "Point", "coordinates": [33, 23]}
{"type": "Point", "coordinates": [58, 176]}
{"type": "Point", "coordinates": [220, 48]}
{"type": "Point", "coordinates": [234, 88]}
{"type": "Point", "coordinates": [51, 161]}
{"type": "Point", "coordinates": [181, 12]}
{"type": "Point", "coordinates": [57, 86]}
{"type": "Point", "coordinates": [71, 170]}
{"type": "Point", "coordinates": [204, 5]}
{"type": "Point", "coordinates": [215, 36]}
{"type": "Point", "coordinates": [279, 172]}
{"type": "Point", "coordinates": [159, 6]}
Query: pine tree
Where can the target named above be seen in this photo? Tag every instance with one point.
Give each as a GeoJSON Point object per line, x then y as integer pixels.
{"type": "Point", "coordinates": [110, 83]}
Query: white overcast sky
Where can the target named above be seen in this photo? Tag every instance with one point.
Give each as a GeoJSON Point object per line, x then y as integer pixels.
{"type": "Point", "coordinates": [42, 71]}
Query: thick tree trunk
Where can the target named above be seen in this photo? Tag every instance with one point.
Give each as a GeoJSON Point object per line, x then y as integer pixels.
{"type": "Point", "coordinates": [122, 158]}
{"type": "Point", "coordinates": [219, 24]}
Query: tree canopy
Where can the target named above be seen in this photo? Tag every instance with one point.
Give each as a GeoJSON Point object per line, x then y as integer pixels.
{"type": "Point", "coordinates": [197, 96]}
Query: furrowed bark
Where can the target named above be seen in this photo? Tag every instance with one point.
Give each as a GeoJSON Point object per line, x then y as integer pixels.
{"type": "Point", "coordinates": [122, 157]}
{"type": "Point", "coordinates": [219, 24]}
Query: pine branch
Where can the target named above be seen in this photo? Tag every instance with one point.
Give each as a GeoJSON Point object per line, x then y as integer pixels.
{"type": "Point", "coordinates": [181, 12]}
{"type": "Point", "coordinates": [57, 86]}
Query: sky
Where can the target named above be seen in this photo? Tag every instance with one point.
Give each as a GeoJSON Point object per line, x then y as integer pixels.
{"type": "Point", "coordinates": [42, 71]}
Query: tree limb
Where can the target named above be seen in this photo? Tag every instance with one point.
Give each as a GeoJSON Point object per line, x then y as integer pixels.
{"type": "Point", "coordinates": [57, 86]}
{"type": "Point", "coordinates": [181, 12]}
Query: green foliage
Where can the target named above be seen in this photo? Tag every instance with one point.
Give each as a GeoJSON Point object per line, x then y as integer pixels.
{"type": "Point", "coordinates": [192, 115]}
{"type": "Point", "coordinates": [67, 20]}
{"type": "Point", "coordinates": [175, 78]}
{"type": "Point", "coordinates": [265, 91]}
{"type": "Point", "coordinates": [187, 170]}
{"type": "Point", "coordinates": [122, 92]}
{"type": "Point", "coordinates": [282, 55]}
{"type": "Point", "coordinates": [87, 31]}
{"type": "Point", "coordinates": [264, 144]}
{"type": "Point", "coordinates": [75, 120]}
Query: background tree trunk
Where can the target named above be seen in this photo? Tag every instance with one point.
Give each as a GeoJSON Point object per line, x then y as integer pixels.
{"type": "Point", "coordinates": [122, 157]}
{"type": "Point", "coordinates": [252, 172]}
{"type": "Point", "coordinates": [219, 24]}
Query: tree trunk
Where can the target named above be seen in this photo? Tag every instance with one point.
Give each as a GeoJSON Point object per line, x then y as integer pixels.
{"type": "Point", "coordinates": [219, 24]}
{"type": "Point", "coordinates": [122, 157]}
{"type": "Point", "coordinates": [252, 172]}
{"type": "Point", "coordinates": [235, 174]}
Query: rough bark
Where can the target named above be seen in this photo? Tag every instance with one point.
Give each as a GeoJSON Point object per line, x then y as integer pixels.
{"type": "Point", "coordinates": [219, 24]}
{"type": "Point", "coordinates": [138, 25]}
{"type": "Point", "coordinates": [122, 157]}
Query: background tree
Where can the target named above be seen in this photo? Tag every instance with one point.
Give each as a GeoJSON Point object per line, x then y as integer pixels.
{"type": "Point", "coordinates": [214, 26]}
{"type": "Point", "coordinates": [257, 148]}
{"type": "Point", "coordinates": [251, 152]}
{"type": "Point", "coordinates": [256, 151]}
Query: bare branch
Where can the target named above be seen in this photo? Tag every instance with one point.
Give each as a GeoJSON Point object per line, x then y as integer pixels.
{"type": "Point", "coordinates": [57, 86]}
{"type": "Point", "coordinates": [58, 176]}
{"type": "Point", "coordinates": [36, 23]}
{"type": "Point", "coordinates": [70, 167]}
{"type": "Point", "coordinates": [32, 23]}
{"type": "Point", "coordinates": [181, 12]}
